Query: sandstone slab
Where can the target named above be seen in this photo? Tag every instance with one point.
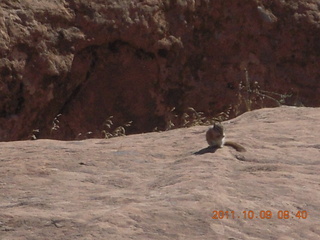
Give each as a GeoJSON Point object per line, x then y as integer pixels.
{"type": "Point", "coordinates": [153, 186]}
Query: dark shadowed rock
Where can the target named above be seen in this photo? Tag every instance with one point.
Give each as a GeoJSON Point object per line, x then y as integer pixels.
{"type": "Point", "coordinates": [136, 60]}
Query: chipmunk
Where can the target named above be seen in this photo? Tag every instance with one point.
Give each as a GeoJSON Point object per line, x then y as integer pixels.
{"type": "Point", "coordinates": [216, 138]}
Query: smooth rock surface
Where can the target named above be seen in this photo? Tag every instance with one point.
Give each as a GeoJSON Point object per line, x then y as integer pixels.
{"type": "Point", "coordinates": [153, 186]}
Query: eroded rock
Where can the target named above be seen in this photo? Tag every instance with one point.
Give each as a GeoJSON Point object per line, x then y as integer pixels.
{"type": "Point", "coordinates": [137, 61]}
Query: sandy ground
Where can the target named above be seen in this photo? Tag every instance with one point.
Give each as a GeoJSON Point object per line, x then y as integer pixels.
{"type": "Point", "coordinates": [153, 186]}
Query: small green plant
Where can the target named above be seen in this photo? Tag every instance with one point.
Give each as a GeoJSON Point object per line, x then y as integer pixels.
{"type": "Point", "coordinates": [116, 132]}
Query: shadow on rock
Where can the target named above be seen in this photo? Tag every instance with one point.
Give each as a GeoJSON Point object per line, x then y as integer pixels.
{"type": "Point", "coordinates": [206, 150]}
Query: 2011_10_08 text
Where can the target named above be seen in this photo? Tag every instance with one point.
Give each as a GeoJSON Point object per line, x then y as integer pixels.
{"type": "Point", "coordinates": [281, 214]}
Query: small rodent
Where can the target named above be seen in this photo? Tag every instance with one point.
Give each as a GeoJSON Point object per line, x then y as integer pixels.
{"type": "Point", "coordinates": [216, 138]}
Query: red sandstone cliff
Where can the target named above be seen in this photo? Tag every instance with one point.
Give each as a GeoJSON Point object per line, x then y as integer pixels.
{"type": "Point", "coordinates": [136, 60]}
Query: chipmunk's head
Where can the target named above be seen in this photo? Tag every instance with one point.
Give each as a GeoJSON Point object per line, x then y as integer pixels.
{"type": "Point", "coordinates": [215, 135]}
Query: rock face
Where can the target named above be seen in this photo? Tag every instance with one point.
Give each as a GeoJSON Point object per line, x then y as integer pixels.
{"type": "Point", "coordinates": [136, 60]}
{"type": "Point", "coordinates": [153, 186]}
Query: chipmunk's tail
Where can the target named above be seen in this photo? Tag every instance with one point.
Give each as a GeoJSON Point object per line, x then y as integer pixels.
{"type": "Point", "coordinates": [236, 146]}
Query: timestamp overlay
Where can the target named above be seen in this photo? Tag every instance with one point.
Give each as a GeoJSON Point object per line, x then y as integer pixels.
{"type": "Point", "coordinates": [263, 214]}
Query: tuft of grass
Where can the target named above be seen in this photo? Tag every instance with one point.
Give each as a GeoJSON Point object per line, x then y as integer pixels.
{"type": "Point", "coordinates": [55, 124]}
{"type": "Point", "coordinates": [192, 117]}
{"type": "Point", "coordinates": [170, 120]}
{"type": "Point", "coordinates": [251, 96]}
{"type": "Point", "coordinates": [116, 132]}
{"type": "Point", "coordinates": [34, 134]}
